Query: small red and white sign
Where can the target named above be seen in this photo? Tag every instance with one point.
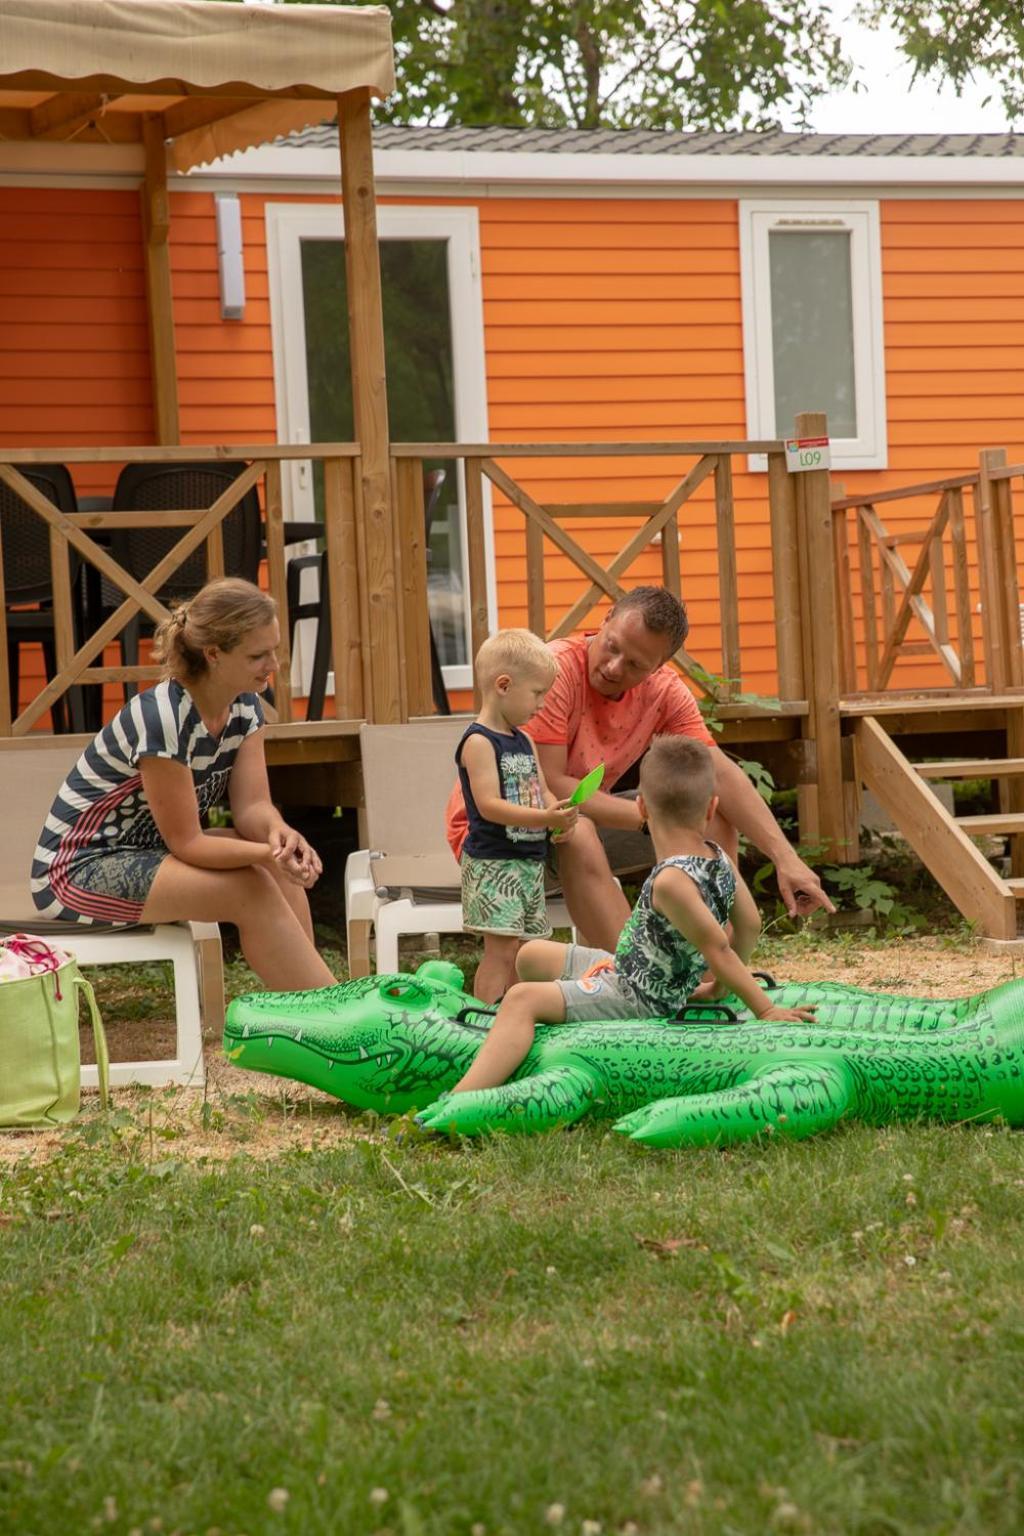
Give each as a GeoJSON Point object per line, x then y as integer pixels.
{"type": "Point", "coordinates": [804, 453]}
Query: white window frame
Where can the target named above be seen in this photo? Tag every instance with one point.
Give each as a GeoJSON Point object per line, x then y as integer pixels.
{"type": "Point", "coordinates": [758, 218]}
{"type": "Point", "coordinates": [288, 224]}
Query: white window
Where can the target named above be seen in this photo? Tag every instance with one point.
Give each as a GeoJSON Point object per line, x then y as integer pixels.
{"type": "Point", "coordinates": [437, 392]}
{"type": "Point", "coordinates": [812, 324]}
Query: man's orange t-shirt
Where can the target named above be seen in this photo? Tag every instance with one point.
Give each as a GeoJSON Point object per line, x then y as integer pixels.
{"type": "Point", "coordinates": [595, 729]}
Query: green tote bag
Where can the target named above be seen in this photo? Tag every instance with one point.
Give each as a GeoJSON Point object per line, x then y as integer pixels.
{"type": "Point", "coordinates": [40, 1058]}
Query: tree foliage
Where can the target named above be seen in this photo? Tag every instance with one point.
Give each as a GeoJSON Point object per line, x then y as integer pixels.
{"type": "Point", "coordinates": [671, 64]}
{"type": "Point", "coordinates": [611, 63]}
{"type": "Point", "coordinates": [960, 41]}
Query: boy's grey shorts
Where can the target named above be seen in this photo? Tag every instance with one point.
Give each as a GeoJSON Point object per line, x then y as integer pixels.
{"type": "Point", "coordinates": [600, 997]}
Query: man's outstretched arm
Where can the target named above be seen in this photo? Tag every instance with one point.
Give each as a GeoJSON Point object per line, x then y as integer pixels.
{"type": "Point", "coordinates": [740, 804]}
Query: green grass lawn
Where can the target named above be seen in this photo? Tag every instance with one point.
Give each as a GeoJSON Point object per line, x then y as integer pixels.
{"type": "Point", "coordinates": [213, 1325]}
{"type": "Point", "coordinates": [414, 1337]}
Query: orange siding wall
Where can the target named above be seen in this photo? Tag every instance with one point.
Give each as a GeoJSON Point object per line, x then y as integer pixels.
{"type": "Point", "coordinates": [621, 320]}
{"type": "Point", "coordinates": [953, 297]}
{"type": "Point", "coordinates": [74, 343]}
{"type": "Point", "coordinates": [612, 319]}
{"type": "Point", "coordinates": [225, 367]}
{"type": "Point", "coordinates": [74, 339]}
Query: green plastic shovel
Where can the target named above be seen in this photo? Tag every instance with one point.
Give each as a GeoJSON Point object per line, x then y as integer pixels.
{"type": "Point", "coordinates": [587, 785]}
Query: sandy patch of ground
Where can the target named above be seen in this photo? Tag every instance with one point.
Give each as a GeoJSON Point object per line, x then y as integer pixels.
{"type": "Point", "coordinates": [246, 1112]}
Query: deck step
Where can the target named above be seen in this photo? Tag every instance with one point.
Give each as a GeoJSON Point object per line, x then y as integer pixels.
{"type": "Point", "coordinates": [972, 768]}
{"type": "Point", "coordinates": [1017, 887]}
{"type": "Point", "coordinates": [979, 826]}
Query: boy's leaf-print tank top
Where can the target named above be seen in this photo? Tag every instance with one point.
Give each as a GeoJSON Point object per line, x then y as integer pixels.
{"type": "Point", "coordinates": [653, 956]}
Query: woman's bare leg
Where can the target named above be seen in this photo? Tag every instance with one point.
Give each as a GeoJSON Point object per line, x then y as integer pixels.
{"type": "Point", "coordinates": [272, 936]}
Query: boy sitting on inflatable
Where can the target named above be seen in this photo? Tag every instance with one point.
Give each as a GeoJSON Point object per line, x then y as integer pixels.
{"type": "Point", "coordinates": [676, 932]}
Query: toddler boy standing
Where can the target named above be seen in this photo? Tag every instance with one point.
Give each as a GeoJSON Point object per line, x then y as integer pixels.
{"type": "Point", "coordinates": [510, 808]}
{"type": "Point", "coordinates": [677, 931]}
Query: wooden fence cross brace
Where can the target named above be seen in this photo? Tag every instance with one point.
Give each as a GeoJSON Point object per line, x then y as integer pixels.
{"type": "Point", "coordinates": [912, 584]}
{"type": "Point", "coordinates": [606, 583]}
{"type": "Point", "coordinates": [140, 595]}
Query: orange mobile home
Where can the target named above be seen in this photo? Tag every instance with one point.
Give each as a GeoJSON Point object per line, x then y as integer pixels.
{"type": "Point", "coordinates": [547, 287]}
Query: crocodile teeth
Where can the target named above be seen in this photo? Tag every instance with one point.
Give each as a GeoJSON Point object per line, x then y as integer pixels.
{"type": "Point", "coordinates": [362, 1053]}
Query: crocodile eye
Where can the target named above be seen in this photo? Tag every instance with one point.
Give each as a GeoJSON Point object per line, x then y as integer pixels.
{"type": "Point", "coordinates": [407, 990]}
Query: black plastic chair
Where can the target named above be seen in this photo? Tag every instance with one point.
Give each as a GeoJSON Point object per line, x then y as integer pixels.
{"type": "Point", "coordinates": [318, 608]}
{"type": "Point", "coordinates": [433, 484]}
{"type": "Point", "coordinates": [166, 488]}
{"type": "Point", "coordinates": [28, 584]}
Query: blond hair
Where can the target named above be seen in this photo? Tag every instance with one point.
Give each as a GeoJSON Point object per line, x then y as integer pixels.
{"type": "Point", "coordinates": [517, 652]}
{"type": "Point", "coordinates": [677, 780]}
{"type": "Point", "coordinates": [221, 614]}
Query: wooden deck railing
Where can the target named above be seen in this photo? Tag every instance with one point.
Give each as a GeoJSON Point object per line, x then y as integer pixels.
{"type": "Point", "coordinates": [364, 598]}
{"type": "Point", "coordinates": [900, 589]}
{"type": "Point", "coordinates": [69, 531]}
{"type": "Point", "coordinates": [963, 547]}
{"type": "Point", "coordinates": [659, 521]}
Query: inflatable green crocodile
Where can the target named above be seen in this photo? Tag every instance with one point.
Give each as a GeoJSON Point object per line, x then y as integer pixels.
{"type": "Point", "coordinates": [396, 1043]}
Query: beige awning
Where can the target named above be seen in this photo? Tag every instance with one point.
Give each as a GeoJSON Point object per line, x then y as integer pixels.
{"type": "Point", "coordinates": [223, 76]}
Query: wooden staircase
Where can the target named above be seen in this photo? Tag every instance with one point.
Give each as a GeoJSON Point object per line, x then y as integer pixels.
{"type": "Point", "coordinates": [943, 842]}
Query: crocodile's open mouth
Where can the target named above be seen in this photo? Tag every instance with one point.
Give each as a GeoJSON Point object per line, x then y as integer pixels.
{"type": "Point", "coordinates": [267, 1034]}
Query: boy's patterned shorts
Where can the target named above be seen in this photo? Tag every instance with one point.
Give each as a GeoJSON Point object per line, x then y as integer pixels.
{"type": "Point", "coordinates": [505, 897]}
{"type": "Point", "coordinates": [594, 992]}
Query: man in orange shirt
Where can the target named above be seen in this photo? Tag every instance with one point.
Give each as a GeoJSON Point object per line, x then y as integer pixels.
{"type": "Point", "coordinates": [612, 695]}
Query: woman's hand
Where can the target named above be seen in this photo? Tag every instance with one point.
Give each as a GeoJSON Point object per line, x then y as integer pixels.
{"type": "Point", "coordinates": [294, 856]}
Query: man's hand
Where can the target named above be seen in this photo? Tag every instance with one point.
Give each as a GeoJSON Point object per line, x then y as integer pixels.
{"type": "Point", "coordinates": [801, 890]}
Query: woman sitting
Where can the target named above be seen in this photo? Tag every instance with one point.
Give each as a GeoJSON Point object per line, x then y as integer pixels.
{"type": "Point", "coordinates": [123, 842]}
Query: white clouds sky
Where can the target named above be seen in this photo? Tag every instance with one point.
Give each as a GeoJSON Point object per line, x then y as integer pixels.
{"type": "Point", "coordinates": [890, 104]}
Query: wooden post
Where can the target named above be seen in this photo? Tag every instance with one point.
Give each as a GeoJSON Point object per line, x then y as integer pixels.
{"type": "Point", "coordinates": [348, 628]}
{"type": "Point", "coordinates": [414, 612]}
{"type": "Point", "coordinates": [671, 574]}
{"type": "Point", "coordinates": [821, 660]}
{"type": "Point", "coordinates": [369, 401]}
{"type": "Point", "coordinates": [992, 625]}
{"type": "Point", "coordinates": [868, 597]}
{"type": "Point", "coordinates": [1001, 492]}
{"type": "Point", "coordinates": [156, 225]}
{"type": "Point", "coordinates": [844, 594]}
{"type": "Point", "coordinates": [786, 579]}
{"type": "Point", "coordinates": [961, 587]}
{"type": "Point", "coordinates": [477, 563]}
{"type": "Point", "coordinates": [536, 602]}
{"type": "Point", "coordinates": [277, 572]}
{"type": "Point", "coordinates": [728, 581]}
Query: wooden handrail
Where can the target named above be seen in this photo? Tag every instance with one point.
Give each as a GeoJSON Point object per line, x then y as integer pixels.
{"type": "Point", "coordinates": [903, 492]}
{"type": "Point", "coordinates": [199, 453]}
{"type": "Point", "coordinates": [575, 449]}
{"type": "Point", "coordinates": [655, 521]}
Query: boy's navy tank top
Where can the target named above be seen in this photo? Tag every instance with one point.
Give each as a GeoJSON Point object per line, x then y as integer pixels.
{"type": "Point", "coordinates": [519, 781]}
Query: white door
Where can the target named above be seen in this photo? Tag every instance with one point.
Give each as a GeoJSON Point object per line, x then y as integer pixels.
{"type": "Point", "coordinates": [433, 338]}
